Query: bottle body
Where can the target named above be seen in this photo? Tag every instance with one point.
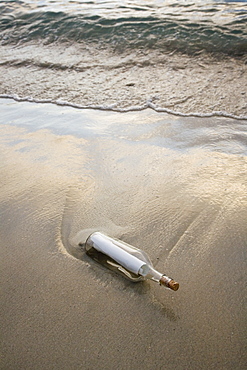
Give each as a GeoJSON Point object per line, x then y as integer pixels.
{"type": "Point", "coordinates": [123, 258]}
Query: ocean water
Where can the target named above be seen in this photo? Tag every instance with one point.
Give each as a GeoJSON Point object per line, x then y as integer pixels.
{"type": "Point", "coordinates": [181, 56]}
{"type": "Point", "coordinates": [187, 26]}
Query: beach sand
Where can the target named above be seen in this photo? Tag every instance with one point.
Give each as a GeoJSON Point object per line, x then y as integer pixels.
{"type": "Point", "coordinates": [174, 187]}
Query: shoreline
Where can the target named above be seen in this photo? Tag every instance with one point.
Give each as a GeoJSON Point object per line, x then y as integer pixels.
{"type": "Point", "coordinates": [174, 82]}
{"type": "Point", "coordinates": [148, 105]}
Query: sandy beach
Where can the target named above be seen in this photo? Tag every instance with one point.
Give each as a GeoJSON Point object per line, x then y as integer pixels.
{"type": "Point", "coordinates": [172, 186]}
{"type": "Point", "coordinates": [128, 118]}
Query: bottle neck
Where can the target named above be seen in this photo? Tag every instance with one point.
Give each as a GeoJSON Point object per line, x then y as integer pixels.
{"type": "Point", "coordinates": [169, 283]}
{"type": "Point", "coordinates": [149, 272]}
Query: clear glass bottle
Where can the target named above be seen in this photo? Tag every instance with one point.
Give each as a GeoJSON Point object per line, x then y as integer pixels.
{"type": "Point", "coordinates": [125, 259]}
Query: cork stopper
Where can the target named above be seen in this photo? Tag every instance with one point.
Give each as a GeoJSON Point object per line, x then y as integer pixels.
{"type": "Point", "coordinates": [169, 283]}
{"type": "Point", "coordinates": [173, 285]}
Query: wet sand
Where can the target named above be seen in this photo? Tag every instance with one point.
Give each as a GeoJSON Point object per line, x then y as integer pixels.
{"type": "Point", "coordinates": [173, 186]}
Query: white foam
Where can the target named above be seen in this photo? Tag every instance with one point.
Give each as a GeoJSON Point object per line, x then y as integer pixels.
{"type": "Point", "coordinates": [114, 108]}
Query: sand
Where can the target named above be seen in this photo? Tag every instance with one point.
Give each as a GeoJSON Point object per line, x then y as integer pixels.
{"type": "Point", "coordinates": [172, 186]}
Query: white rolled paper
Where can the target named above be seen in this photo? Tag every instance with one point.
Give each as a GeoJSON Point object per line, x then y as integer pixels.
{"type": "Point", "coordinates": [102, 244]}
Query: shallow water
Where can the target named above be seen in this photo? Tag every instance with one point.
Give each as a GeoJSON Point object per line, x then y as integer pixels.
{"type": "Point", "coordinates": [173, 186]}
{"type": "Point", "coordinates": [187, 57]}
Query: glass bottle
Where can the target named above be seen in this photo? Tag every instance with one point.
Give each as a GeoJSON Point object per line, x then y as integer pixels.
{"type": "Point", "coordinates": [125, 259]}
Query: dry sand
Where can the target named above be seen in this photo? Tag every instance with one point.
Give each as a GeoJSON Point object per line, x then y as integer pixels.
{"type": "Point", "coordinates": [174, 187]}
